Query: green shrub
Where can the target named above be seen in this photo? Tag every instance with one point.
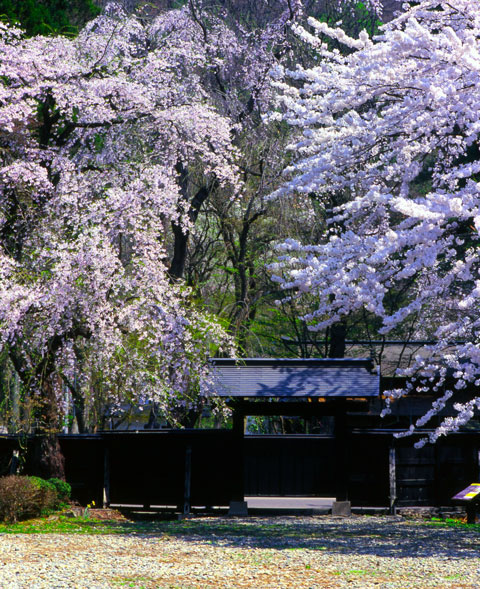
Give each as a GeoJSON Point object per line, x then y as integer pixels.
{"type": "Point", "coordinates": [63, 490]}
{"type": "Point", "coordinates": [25, 497]}
{"type": "Point", "coordinates": [48, 497]}
{"type": "Point", "coordinates": [20, 498]}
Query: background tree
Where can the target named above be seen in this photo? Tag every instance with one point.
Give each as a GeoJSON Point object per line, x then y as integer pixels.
{"type": "Point", "coordinates": [135, 113]}
{"type": "Point", "coordinates": [46, 17]}
{"type": "Point", "coordinates": [233, 234]}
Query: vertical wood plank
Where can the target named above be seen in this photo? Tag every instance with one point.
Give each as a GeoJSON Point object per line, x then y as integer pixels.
{"type": "Point", "coordinates": [392, 473]}
{"type": "Point", "coordinates": [342, 459]}
{"type": "Point", "coordinates": [106, 477]}
{"type": "Point", "coordinates": [239, 423]}
{"type": "Point", "coordinates": [188, 481]}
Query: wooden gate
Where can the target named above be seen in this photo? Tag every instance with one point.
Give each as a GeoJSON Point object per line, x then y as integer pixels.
{"type": "Point", "coordinates": [289, 465]}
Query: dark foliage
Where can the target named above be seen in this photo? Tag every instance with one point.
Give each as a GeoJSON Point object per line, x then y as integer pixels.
{"type": "Point", "coordinates": [62, 489]}
{"type": "Point", "coordinates": [20, 498]}
{"type": "Point", "coordinates": [48, 17]}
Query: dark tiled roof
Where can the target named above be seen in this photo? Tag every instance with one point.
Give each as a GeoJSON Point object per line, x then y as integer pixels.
{"type": "Point", "coordinates": [279, 377]}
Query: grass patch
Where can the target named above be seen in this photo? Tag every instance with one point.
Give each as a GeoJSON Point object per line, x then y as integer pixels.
{"type": "Point", "coordinates": [451, 523]}
{"type": "Point", "coordinates": [131, 582]}
{"type": "Point", "coordinates": [291, 536]}
{"type": "Point", "coordinates": [355, 572]}
{"type": "Point", "coordinates": [60, 525]}
{"type": "Point", "coordinates": [82, 525]}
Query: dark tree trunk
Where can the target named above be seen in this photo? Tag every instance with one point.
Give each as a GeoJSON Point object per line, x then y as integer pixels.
{"type": "Point", "coordinates": [337, 340]}
{"type": "Point", "coordinates": [180, 236]}
{"type": "Point", "coordinates": [245, 287]}
{"type": "Point", "coordinates": [190, 418]}
{"type": "Point", "coordinates": [185, 419]}
{"type": "Point", "coordinates": [79, 413]}
{"type": "Point", "coordinates": [78, 405]}
{"type": "Point", "coordinates": [153, 418]}
{"type": "Point", "coordinates": [180, 242]}
{"type": "Point", "coordinates": [49, 459]}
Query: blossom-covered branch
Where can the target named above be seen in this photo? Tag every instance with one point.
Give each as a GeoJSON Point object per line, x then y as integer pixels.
{"type": "Point", "coordinates": [392, 129]}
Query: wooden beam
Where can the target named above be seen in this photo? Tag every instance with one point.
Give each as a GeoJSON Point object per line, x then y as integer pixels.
{"type": "Point", "coordinates": [478, 463]}
{"type": "Point", "coordinates": [342, 458]}
{"type": "Point", "coordinates": [239, 422]}
{"type": "Point", "coordinates": [296, 408]}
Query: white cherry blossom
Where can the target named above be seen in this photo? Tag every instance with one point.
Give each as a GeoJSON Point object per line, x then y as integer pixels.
{"type": "Point", "coordinates": [391, 129]}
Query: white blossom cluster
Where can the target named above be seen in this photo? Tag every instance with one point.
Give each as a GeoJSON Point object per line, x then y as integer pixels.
{"type": "Point", "coordinates": [391, 129]}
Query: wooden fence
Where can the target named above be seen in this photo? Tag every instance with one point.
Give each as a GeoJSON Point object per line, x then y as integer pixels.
{"type": "Point", "coordinates": [183, 468]}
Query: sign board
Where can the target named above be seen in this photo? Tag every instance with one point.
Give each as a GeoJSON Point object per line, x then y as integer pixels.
{"type": "Point", "coordinates": [471, 493]}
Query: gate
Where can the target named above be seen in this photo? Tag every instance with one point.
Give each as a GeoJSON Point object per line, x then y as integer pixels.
{"type": "Point", "coordinates": [289, 465]}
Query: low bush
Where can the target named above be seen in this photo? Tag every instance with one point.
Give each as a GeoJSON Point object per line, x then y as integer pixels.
{"type": "Point", "coordinates": [47, 494]}
{"type": "Point", "coordinates": [26, 497]}
{"type": "Point", "coordinates": [20, 498]}
{"type": "Point", "coordinates": [63, 490]}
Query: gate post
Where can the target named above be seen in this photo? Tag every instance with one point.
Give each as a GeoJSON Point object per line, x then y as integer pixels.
{"type": "Point", "coordinates": [106, 476]}
{"type": "Point", "coordinates": [238, 505]}
{"type": "Point", "coordinates": [392, 475]}
{"type": "Point", "coordinates": [342, 505]}
{"type": "Point", "coordinates": [188, 481]}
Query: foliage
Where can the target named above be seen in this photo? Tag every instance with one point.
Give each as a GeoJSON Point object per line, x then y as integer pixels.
{"type": "Point", "coordinates": [233, 235]}
{"type": "Point", "coordinates": [286, 533]}
{"type": "Point", "coordinates": [46, 17]}
{"type": "Point", "coordinates": [26, 497]}
{"type": "Point", "coordinates": [448, 522]}
{"type": "Point", "coordinates": [393, 129]}
{"type": "Point", "coordinates": [48, 498]}
{"type": "Point", "coordinates": [132, 157]}
{"type": "Point", "coordinates": [63, 490]}
{"type": "Point", "coordinates": [354, 16]}
{"type": "Point", "coordinates": [19, 498]}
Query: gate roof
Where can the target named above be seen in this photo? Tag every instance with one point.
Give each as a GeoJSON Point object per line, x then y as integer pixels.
{"type": "Point", "coordinates": [285, 377]}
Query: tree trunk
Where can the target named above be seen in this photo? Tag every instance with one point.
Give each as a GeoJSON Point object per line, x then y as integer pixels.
{"type": "Point", "coordinates": [153, 418]}
{"type": "Point", "coordinates": [49, 459]}
{"type": "Point", "coordinates": [10, 389]}
{"type": "Point", "coordinates": [181, 237]}
{"type": "Point", "coordinates": [337, 340]}
{"type": "Point", "coordinates": [180, 242]}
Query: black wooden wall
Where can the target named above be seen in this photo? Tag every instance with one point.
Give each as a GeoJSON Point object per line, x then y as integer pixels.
{"type": "Point", "coordinates": [149, 468]}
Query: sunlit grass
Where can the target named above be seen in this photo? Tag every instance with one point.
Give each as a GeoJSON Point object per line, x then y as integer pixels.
{"type": "Point", "coordinates": [452, 523]}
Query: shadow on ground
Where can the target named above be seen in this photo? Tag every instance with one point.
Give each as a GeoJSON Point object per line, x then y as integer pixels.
{"type": "Point", "coordinates": [356, 535]}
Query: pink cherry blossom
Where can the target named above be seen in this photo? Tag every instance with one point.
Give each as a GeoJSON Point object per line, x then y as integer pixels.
{"type": "Point", "coordinates": [91, 130]}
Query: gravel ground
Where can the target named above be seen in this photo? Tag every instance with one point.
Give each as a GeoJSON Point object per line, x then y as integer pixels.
{"type": "Point", "coordinates": [281, 552]}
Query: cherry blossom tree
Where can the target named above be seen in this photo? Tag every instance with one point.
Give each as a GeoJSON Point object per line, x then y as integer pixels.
{"type": "Point", "coordinates": [109, 145]}
{"type": "Point", "coordinates": [244, 41]}
{"type": "Point", "coordinates": [93, 133]}
{"type": "Point", "coordinates": [389, 133]}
